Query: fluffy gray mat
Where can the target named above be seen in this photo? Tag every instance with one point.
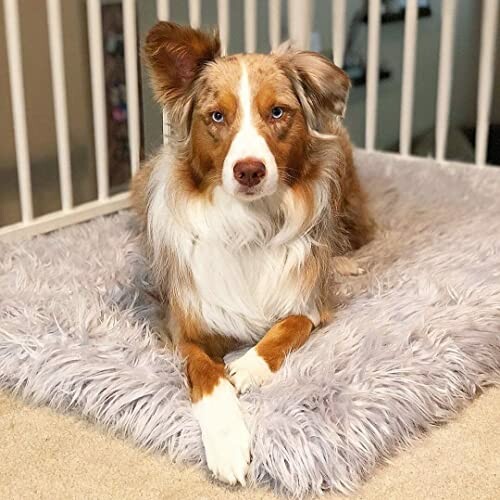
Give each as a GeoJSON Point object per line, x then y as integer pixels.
{"type": "Point", "coordinates": [415, 338]}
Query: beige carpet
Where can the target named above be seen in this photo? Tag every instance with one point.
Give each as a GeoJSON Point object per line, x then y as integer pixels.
{"type": "Point", "coordinates": [46, 455]}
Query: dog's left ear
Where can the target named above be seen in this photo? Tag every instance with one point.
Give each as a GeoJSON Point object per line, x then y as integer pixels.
{"type": "Point", "coordinates": [322, 87]}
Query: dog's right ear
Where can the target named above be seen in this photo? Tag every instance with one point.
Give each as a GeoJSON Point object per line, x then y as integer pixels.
{"type": "Point", "coordinates": [175, 54]}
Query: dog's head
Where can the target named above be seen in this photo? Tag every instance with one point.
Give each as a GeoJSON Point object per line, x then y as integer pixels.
{"type": "Point", "coordinates": [246, 120]}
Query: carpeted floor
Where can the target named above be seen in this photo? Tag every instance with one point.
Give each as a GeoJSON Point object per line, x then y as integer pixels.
{"type": "Point", "coordinates": [45, 455]}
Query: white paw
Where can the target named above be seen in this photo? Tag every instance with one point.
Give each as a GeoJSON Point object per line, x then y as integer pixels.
{"type": "Point", "coordinates": [248, 371]}
{"type": "Point", "coordinates": [225, 436]}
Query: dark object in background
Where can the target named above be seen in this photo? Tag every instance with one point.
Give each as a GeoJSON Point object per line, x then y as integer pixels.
{"type": "Point", "coordinates": [116, 97]}
{"type": "Point", "coordinates": [116, 100]}
{"type": "Point", "coordinates": [391, 11]}
{"type": "Point", "coordinates": [395, 10]}
{"type": "Point", "coordinates": [493, 152]}
{"type": "Point", "coordinates": [357, 73]}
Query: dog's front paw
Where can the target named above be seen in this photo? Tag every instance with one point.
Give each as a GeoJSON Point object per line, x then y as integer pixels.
{"type": "Point", "coordinates": [228, 453]}
{"type": "Point", "coordinates": [225, 436]}
{"type": "Point", "coordinates": [249, 371]}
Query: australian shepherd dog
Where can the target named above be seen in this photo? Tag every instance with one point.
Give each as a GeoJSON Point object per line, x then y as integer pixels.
{"type": "Point", "coordinates": [245, 213]}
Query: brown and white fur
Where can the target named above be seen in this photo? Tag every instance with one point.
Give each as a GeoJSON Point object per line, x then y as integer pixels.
{"type": "Point", "coordinates": [244, 216]}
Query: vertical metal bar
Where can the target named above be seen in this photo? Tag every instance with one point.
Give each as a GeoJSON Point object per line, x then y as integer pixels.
{"type": "Point", "coordinates": [163, 10]}
{"type": "Point", "coordinates": [13, 38]}
{"type": "Point", "coordinates": [448, 12]}
{"type": "Point", "coordinates": [60, 103]}
{"type": "Point", "coordinates": [195, 13]}
{"type": "Point", "coordinates": [486, 76]}
{"type": "Point", "coordinates": [223, 19]}
{"type": "Point", "coordinates": [372, 73]}
{"type": "Point", "coordinates": [408, 77]}
{"type": "Point", "coordinates": [250, 26]}
{"type": "Point", "coordinates": [299, 22]}
{"type": "Point", "coordinates": [338, 30]}
{"type": "Point", "coordinates": [274, 7]}
{"type": "Point", "coordinates": [132, 80]}
{"type": "Point", "coordinates": [163, 13]}
{"type": "Point", "coordinates": [94, 16]}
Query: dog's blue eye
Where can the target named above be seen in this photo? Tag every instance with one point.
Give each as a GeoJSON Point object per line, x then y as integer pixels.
{"type": "Point", "coordinates": [217, 117]}
{"type": "Point", "coordinates": [277, 112]}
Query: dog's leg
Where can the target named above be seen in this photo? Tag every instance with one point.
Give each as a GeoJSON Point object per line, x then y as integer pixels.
{"type": "Point", "coordinates": [259, 363]}
{"type": "Point", "coordinates": [215, 405]}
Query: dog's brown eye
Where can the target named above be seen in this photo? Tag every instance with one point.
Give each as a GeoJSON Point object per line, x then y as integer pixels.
{"type": "Point", "coordinates": [277, 112]}
{"type": "Point", "coordinates": [217, 117]}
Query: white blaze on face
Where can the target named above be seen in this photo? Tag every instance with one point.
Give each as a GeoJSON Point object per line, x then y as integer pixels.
{"type": "Point", "coordinates": [249, 143]}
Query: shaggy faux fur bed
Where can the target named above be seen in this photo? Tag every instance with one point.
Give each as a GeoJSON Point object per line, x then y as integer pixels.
{"type": "Point", "coordinates": [415, 337]}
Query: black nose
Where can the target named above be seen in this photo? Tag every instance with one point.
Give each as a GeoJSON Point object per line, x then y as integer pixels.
{"type": "Point", "coordinates": [249, 172]}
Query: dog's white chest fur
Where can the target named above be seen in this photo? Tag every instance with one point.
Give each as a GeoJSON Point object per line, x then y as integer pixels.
{"type": "Point", "coordinates": [243, 292]}
{"type": "Point", "coordinates": [245, 275]}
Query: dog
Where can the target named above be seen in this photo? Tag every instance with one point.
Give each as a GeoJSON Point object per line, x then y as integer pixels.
{"type": "Point", "coordinates": [243, 214]}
